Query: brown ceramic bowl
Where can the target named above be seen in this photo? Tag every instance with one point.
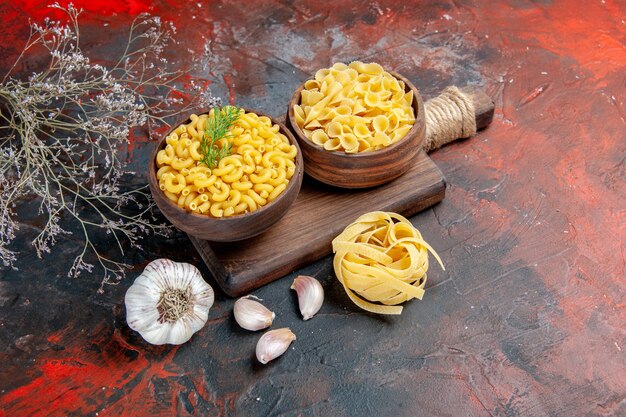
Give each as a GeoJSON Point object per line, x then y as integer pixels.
{"type": "Point", "coordinates": [361, 170]}
{"type": "Point", "coordinates": [233, 228]}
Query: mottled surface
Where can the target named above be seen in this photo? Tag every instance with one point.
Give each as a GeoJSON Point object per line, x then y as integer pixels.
{"type": "Point", "coordinates": [527, 320]}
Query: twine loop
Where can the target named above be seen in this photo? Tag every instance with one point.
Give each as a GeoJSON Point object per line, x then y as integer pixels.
{"type": "Point", "coordinates": [449, 116]}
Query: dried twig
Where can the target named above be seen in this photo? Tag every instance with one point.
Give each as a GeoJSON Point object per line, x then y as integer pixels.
{"type": "Point", "coordinates": [60, 131]}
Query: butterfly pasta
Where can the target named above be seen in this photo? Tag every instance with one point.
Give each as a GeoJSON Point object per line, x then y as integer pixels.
{"type": "Point", "coordinates": [260, 165]}
{"type": "Point", "coordinates": [354, 108]}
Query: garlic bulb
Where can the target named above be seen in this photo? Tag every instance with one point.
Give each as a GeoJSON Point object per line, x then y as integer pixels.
{"type": "Point", "coordinates": [310, 295]}
{"type": "Point", "coordinates": [168, 302]}
{"type": "Point", "coordinates": [252, 315]}
{"type": "Point", "coordinates": [273, 344]}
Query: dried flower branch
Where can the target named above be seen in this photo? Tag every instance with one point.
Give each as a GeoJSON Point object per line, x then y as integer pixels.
{"type": "Point", "coordinates": [60, 131]}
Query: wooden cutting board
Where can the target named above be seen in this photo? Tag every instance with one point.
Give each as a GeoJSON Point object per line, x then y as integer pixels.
{"type": "Point", "coordinates": [319, 214]}
{"type": "Point", "coordinates": [305, 233]}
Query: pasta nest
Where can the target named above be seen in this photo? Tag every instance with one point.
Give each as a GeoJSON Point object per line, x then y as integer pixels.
{"type": "Point", "coordinates": [354, 108]}
{"type": "Point", "coordinates": [382, 258]}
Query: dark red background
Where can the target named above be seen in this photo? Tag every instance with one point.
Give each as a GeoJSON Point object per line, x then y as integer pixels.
{"type": "Point", "coordinates": [527, 320]}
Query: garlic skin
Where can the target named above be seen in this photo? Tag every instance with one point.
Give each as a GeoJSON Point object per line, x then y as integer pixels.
{"type": "Point", "coordinates": [273, 344]}
{"type": "Point", "coordinates": [310, 295]}
{"type": "Point", "coordinates": [251, 314]}
{"type": "Point", "coordinates": [168, 302]}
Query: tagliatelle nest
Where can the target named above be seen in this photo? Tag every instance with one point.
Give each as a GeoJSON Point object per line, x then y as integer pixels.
{"type": "Point", "coordinates": [382, 258]}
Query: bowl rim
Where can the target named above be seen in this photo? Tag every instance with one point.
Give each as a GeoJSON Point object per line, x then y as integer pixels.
{"type": "Point", "coordinates": [152, 169]}
{"type": "Point", "coordinates": [417, 100]}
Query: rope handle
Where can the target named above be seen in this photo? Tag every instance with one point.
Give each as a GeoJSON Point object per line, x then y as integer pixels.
{"type": "Point", "coordinates": [456, 113]}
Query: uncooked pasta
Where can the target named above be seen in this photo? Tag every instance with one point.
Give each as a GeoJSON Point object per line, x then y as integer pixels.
{"type": "Point", "coordinates": [381, 258]}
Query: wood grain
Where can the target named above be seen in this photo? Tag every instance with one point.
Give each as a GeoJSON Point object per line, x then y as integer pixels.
{"type": "Point", "coordinates": [233, 228]}
{"type": "Point", "coordinates": [304, 234]}
{"type": "Point", "coordinates": [361, 170]}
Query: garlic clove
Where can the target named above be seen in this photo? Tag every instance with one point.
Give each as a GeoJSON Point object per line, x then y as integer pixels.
{"type": "Point", "coordinates": [310, 295]}
{"type": "Point", "coordinates": [273, 344]}
{"type": "Point", "coordinates": [251, 314]}
{"type": "Point", "coordinates": [167, 333]}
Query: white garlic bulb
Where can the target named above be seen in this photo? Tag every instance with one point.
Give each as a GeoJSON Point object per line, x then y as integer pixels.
{"type": "Point", "coordinates": [273, 344]}
{"type": "Point", "coordinates": [251, 314]}
{"type": "Point", "coordinates": [310, 295]}
{"type": "Point", "coordinates": [168, 302]}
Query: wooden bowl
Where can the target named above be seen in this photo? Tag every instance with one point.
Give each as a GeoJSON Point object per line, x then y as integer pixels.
{"type": "Point", "coordinates": [361, 170]}
{"type": "Point", "coordinates": [238, 226]}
